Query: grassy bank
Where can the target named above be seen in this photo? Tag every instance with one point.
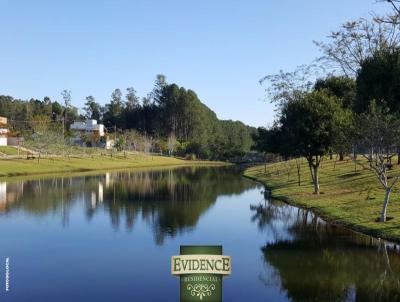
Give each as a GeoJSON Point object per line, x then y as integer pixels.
{"type": "Point", "coordinates": [24, 167]}
{"type": "Point", "coordinates": [350, 198]}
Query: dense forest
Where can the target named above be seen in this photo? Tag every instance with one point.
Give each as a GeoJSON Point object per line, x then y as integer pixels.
{"type": "Point", "coordinates": [169, 119]}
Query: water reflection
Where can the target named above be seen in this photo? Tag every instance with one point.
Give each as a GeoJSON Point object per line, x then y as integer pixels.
{"type": "Point", "coordinates": [9, 193]}
{"type": "Point", "coordinates": [295, 256]}
{"type": "Point", "coordinates": [311, 260]}
{"type": "Point", "coordinates": [171, 201]}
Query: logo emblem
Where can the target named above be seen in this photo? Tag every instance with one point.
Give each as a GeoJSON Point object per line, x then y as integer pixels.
{"type": "Point", "coordinates": [200, 269]}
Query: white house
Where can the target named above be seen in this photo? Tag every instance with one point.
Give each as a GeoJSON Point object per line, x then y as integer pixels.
{"type": "Point", "coordinates": [89, 126]}
{"type": "Point", "coordinates": [3, 131]}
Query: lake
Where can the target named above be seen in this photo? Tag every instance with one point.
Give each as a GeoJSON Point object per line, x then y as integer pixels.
{"type": "Point", "coordinates": [109, 237]}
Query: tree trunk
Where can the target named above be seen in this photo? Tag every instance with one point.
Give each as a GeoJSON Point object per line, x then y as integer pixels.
{"type": "Point", "coordinates": [298, 176]}
{"type": "Point", "coordinates": [311, 172]}
{"type": "Point", "coordinates": [385, 203]}
{"type": "Point", "coordinates": [398, 156]}
{"type": "Point", "coordinates": [298, 170]}
{"type": "Point", "coordinates": [341, 156]}
{"type": "Point", "coordinates": [316, 181]}
{"type": "Point", "coordinates": [355, 162]}
{"type": "Point", "coordinates": [389, 161]}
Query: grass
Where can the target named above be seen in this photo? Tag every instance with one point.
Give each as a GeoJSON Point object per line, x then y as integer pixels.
{"type": "Point", "coordinates": [11, 150]}
{"type": "Point", "coordinates": [58, 165]}
{"type": "Point", "coordinates": [351, 198]}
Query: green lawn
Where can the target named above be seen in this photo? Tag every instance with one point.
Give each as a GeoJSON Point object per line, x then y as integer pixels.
{"type": "Point", "coordinates": [10, 150]}
{"type": "Point", "coordinates": [352, 199]}
{"type": "Point", "coordinates": [25, 167]}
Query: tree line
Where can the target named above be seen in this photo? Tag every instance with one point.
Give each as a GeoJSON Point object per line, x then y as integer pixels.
{"type": "Point", "coordinates": [170, 118]}
{"type": "Point", "coordinates": [354, 109]}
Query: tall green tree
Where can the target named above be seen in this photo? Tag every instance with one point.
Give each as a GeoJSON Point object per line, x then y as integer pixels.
{"type": "Point", "coordinates": [157, 92]}
{"type": "Point", "coordinates": [132, 100]}
{"type": "Point", "coordinates": [379, 80]}
{"type": "Point", "coordinates": [342, 87]}
{"type": "Point", "coordinates": [131, 113]}
{"type": "Point", "coordinates": [92, 108]}
{"type": "Point", "coordinates": [114, 110]}
{"type": "Point", "coordinates": [314, 120]}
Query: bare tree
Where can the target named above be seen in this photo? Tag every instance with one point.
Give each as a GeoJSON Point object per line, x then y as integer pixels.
{"type": "Point", "coordinates": [395, 5]}
{"type": "Point", "coordinates": [285, 87]}
{"type": "Point", "coordinates": [357, 40]}
{"type": "Point", "coordinates": [379, 135]}
{"type": "Point", "coordinates": [46, 136]}
{"type": "Point", "coordinates": [66, 95]}
{"type": "Point", "coordinates": [391, 18]}
{"type": "Point", "coordinates": [171, 143]}
{"type": "Point", "coordinates": [148, 144]}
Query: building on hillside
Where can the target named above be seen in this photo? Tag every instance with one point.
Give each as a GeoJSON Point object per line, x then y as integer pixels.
{"type": "Point", "coordinates": [3, 131]}
{"type": "Point", "coordinates": [89, 126]}
{"type": "Point", "coordinates": [87, 131]}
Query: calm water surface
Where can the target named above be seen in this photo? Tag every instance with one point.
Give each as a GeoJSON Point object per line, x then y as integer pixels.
{"type": "Point", "coordinates": [109, 237]}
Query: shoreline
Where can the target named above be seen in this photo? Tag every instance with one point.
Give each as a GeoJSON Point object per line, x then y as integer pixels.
{"type": "Point", "coordinates": [324, 214]}
{"type": "Point", "coordinates": [12, 169]}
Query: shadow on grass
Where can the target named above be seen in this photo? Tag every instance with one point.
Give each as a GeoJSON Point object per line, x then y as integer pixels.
{"type": "Point", "coordinates": [349, 175]}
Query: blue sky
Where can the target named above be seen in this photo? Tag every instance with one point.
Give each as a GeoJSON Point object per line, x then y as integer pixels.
{"type": "Point", "coordinates": [220, 49]}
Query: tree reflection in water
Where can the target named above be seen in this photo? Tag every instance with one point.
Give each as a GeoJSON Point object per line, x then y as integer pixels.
{"type": "Point", "coordinates": [313, 260]}
{"type": "Point", "coordinates": [171, 201]}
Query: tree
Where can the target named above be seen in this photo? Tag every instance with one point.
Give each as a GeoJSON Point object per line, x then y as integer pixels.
{"type": "Point", "coordinates": [342, 87]}
{"type": "Point", "coordinates": [132, 100]}
{"type": "Point", "coordinates": [391, 18]}
{"type": "Point", "coordinates": [168, 109]}
{"type": "Point", "coordinates": [156, 94]}
{"type": "Point", "coordinates": [234, 139]}
{"type": "Point", "coordinates": [379, 79]}
{"type": "Point", "coordinates": [285, 87]}
{"type": "Point", "coordinates": [313, 120]}
{"type": "Point", "coordinates": [92, 108]}
{"type": "Point", "coordinates": [69, 112]}
{"type": "Point", "coordinates": [380, 135]}
{"type": "Point", "coordinates": [66, 95]}
{"type": "Point", "coordinates": [132, 112]}
{"type": "Point", "coordinates": [171, 143]}
{"type": "Point", "coordinates": [274, 140]}
{"type": "Point", "coordinates": [47, 107]}
{"type": "Point", "coordinates": [146, 116]}
{"type": "Point", "coordinates": [46, 134]}
{"type": "Point", "coordinates": [356, 41]}
{"type": "Point", "coordinates": [57, 110]}
{"type": "Point", "coordinates": [114, 109]}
